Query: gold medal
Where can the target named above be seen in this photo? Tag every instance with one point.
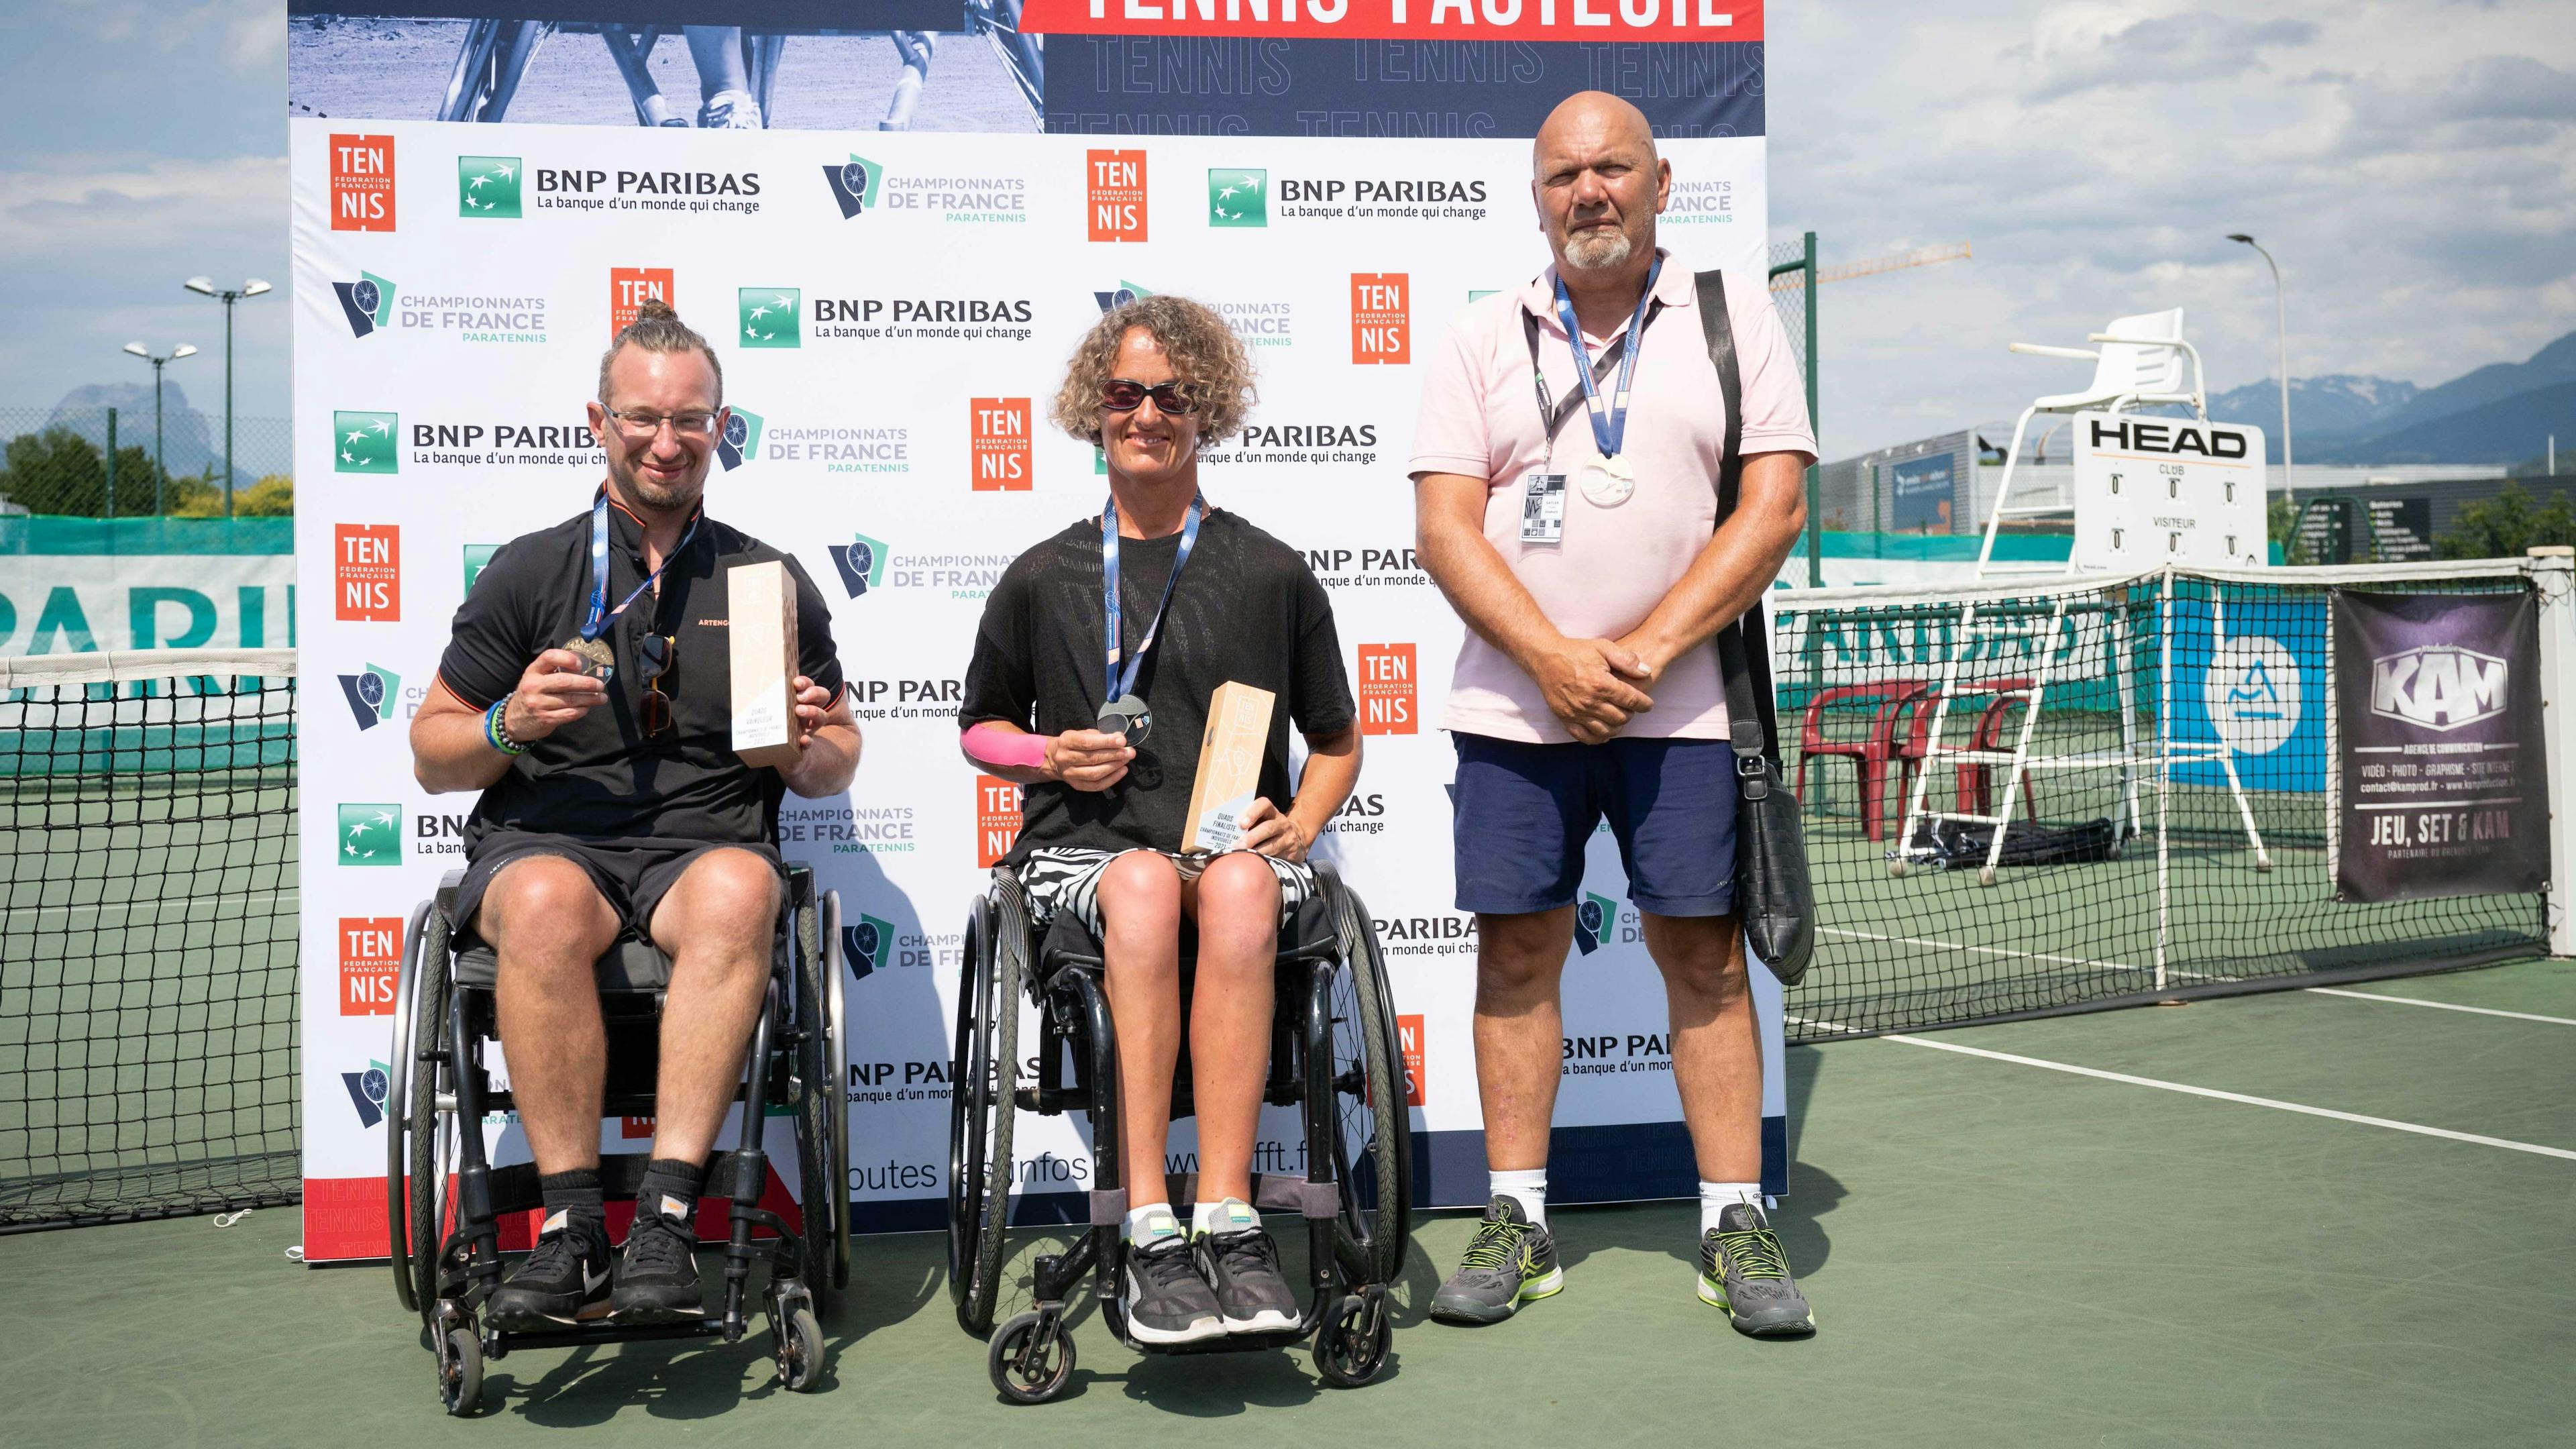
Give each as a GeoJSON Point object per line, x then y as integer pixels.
{"type": "Point", "coordinates": [598, 659]}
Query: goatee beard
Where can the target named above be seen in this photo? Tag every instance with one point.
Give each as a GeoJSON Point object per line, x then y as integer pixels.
{"type": "Point", "coordinates": [1592, 251]}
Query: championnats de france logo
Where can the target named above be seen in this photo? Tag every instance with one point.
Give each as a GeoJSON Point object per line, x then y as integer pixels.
{"type": "Point", "coordinates": [741, 441]}
{"type": "Point", "coordinates": [865, 946]}
{"type": "Point", "coordinates": [2438, 686]}
{"type": "Point", "coordinates": [1593, 921]}
{"type": "Point", "coordinates": [371, 694]}
{"type": "Point", "coordinates": [861, 562]}
{"type": "Point", "coordinates": [368, 303]}
{"type": "Point", "coordinates": [367, 1091]}
{"type": "Point", "coordinates": [855, 184]}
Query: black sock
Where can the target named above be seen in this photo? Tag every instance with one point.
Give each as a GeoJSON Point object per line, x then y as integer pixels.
{"type": "Point", "coordinates": [667, 1177]}
{"type": "Point", "coordinates": [576, 1194]}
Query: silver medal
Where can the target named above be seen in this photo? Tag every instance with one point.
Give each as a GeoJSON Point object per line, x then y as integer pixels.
{"type": "Point", "coordinates": [1127, 715]}
{"type": "Point", "coordinates": [1607, 482]}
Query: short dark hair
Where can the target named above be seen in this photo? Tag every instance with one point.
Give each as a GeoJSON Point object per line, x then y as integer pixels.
{"type": "Point", "coordinates": [657, 328]}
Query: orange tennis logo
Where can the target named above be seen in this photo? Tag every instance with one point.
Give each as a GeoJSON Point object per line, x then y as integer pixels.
{"type": "Point", "coordinates": [1116, 183]}
{"type": "Point", "coordinates": [627, 289]}
{"type": "Point", "coordinates": [1381, 322]}
{"type": "Point", "coordinates": [1388, 705]}
{"type": "Point", "coordinates": [999, 443]}
{"type": "Point", "coordinates": [997, 819]}
{"type": "Point", "coordinates": [362, 183]}
{"type": "Point", "coordinates": [370, 959]}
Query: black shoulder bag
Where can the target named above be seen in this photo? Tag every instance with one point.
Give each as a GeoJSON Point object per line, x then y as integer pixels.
{"type": "Point", "coordinates": [1774, 897]}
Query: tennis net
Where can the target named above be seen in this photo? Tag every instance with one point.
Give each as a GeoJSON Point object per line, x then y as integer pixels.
{"type": "Point", "coordinates": [2169, 826]}
{"type": "Point", "coordinates": [147, 935]}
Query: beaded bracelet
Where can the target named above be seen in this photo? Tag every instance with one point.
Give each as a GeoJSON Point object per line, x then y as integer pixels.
{"type": "Point", "coordinates": [496, 731]}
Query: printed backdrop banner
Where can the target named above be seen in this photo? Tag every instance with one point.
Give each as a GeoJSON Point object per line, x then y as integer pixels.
{"type": "Point", "coordinates": [893, 310]}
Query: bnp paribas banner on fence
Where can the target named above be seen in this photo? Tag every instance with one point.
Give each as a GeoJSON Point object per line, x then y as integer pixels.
{"type": "Point", "coordinates": [893, 306]}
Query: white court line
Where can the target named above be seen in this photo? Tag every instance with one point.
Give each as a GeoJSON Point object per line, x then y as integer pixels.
{"type": "Point", "coordinates": [1981, 950]}
{"type": "Point", "coordinates": [2214, 1094]}
{"type": "Point", "coordinates": [2442, 1005]}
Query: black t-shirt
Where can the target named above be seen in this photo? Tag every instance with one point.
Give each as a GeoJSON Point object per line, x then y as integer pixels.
{"type": "Point", "coordinates": [1246, 609]}
{"type": "Point", "coordinates": [600, 778]}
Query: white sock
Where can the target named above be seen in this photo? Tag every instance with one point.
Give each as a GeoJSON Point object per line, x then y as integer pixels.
{"type": "Point", "coordinates": [1529, 1189]}
{"type": "Point", "coordinates": [1153, 1220]}
{"type": "Point", "coordinates": [1717, 1197]}
{"type": "Point", "coordinates": [1230, 1216]}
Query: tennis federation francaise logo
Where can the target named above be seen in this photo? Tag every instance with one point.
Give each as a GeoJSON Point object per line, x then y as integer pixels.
{"type": "Point", "coordinates": [488, 186]}
{"type": "Point", "coordinates": [854, 184]}
{"type": "Point", "coordinates": [866, 946]}
{"type": "Point", "coordinates": [371, 694]}
{"type": "Point", "coordinates": [1594, 919]}
{"type": "Point", "coordinates": [771, 316]}
{"type": "Point", "coordinates": [1238, 198]}
{"type": "Point", "coordinates": [366, 442]}
{"type": "Point", "coordinates": [862, 563]}
{"type": "Point", "coordinates": [368, 303]}
{"type": "Point", "coordinates": [370, 835]}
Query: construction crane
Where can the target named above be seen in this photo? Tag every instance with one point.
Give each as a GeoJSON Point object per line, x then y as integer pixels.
{"type": "Point", "coordinates": [1919, 257]}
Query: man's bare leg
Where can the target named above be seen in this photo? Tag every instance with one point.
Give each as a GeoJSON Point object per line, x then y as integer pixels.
{"type": "Point", "coordinates": [1717, 1056]}
{"type": "Point", "coordinates": [549, 925]}
{"type": "Point", "coordinates": [717, 922]}
{"type": "Point", "coordinates": [1520, 1032]}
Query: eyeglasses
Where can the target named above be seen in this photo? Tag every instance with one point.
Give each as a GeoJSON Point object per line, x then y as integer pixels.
{"type": "Point", "coordinates": [644, 427]}
{"type": "Point", "coordinates": [658, 653]}
{"type": "Point", "coordinates": [1121, 395]}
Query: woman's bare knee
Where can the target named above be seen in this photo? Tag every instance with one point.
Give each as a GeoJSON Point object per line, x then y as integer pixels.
{"type": "Point", "coordinates": [1140, 891]}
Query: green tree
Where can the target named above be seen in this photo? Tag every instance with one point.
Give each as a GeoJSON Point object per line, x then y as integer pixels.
{"type": "Point", "coordinates": [2281, 521]}
{"type": "Point", "coordinates": [2507, 524]}
{"type": "Point", "coordinates": [58, 471]}
{"type": "Point", "coordinates": [270, 497]}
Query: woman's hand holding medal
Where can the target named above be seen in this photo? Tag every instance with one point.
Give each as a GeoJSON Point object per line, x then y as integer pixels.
{"type": "Point", "coordinates": [1088, 759]}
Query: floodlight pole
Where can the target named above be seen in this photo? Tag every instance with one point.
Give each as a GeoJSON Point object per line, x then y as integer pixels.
{"type": "Point", "coordinates": [228, 296]}
{"type": "Point", "coordinates": [2281, 306]}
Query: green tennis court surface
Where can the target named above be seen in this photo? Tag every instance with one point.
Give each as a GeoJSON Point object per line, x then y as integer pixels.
{"type": "Point", "coordinates": [2000, 1252]}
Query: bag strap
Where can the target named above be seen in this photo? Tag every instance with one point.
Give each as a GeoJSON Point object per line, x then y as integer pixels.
{"type": "Point", "coordinates": [1743, 658]}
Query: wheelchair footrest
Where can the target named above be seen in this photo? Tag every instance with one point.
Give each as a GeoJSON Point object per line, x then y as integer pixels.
{"type": "Point", "coordinates": [1230, 1343]}
{"type": "Point", "coordinates": [609, 1331]}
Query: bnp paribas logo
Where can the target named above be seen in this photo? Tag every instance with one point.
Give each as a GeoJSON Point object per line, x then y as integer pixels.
{"type": "Point", "coordinates": [365, 442]}
{"type": "Point", "coordinates": [371, 694]}
{"type": "Point", "coordinates": [1119, 296]}
{"type": "Point", "coordinates": [854, 184]}
{"type": "Point", "coordinates": [771, 316]}
{"type": "Point", "coordinates": [862, 562]}
{"type": "Point", "coordinates": [867, 946]}
{"type": "Point", "coordinates": [368, 303]}
{"type": "Point", "coordinates": [1238, 198]}
{"type": "Point", "coordinates": [741, 441]}
{"type": "Point", "coordinates": [370, 835]}
{"type": "Point", "coordinates": [487, 186]}
{"type": "Point", "coordinates": [476, 556]}
{"type": "Point", "coordinates": [1594, 920]}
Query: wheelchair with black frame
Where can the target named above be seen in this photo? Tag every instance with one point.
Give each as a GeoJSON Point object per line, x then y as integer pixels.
{"type": "Point", "coordinates": [1334, 1052]}
{"type": "Point", "coordinates": [443, 1198]}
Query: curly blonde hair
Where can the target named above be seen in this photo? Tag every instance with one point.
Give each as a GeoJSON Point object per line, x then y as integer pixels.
{"type": "Point", "coordinates": [1214, 371]}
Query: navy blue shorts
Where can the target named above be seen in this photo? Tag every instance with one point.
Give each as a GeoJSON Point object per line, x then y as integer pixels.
{"type": "Point", "coordinates": [1523, 813]}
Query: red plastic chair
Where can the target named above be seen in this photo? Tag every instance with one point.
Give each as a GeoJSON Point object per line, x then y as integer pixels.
{"type": "Point", "coordinates": [1972, 790]}
{"type": "Point", "coordinates": [1870, 753]}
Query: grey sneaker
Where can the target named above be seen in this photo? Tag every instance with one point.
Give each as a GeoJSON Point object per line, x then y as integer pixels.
{"type": "Point", "coordinates": [1743, 1270]}
{"type": "Point", "coordinates": [1509, 1262]}
{"type": "Point", "coordinates": [1166, 1299]}
{"type": "Point", "coordinates": [1242, 1265]}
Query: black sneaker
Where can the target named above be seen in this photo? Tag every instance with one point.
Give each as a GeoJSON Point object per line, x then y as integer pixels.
{"type": "Point", "coordinates": [657, 1276]}
{"type": "Point", "coordinates": [565, 1279]}
{"type": "Point", "coordinates": [1743, 1270]}
{"type": "Point", "coordinates": [1510, 1261]}
{"type": "Point", "coordinates": [1166, 1300]}
{"type": "Point", "coordinates": [1241, 1263]}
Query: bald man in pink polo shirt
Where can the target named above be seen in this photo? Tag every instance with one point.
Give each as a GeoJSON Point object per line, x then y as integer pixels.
{"type": "Point", "coordinates": [1582, 549]}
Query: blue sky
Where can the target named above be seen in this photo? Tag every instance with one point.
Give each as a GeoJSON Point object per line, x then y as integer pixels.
{"type": "Point", "coordinates": [2412, 165]}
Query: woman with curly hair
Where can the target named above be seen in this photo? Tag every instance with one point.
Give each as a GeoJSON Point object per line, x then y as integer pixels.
{"type": "Point", "coordinates": [1090, 687]}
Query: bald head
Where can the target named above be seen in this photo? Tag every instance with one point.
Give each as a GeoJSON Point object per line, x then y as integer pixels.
{"type": "Point", "coordinates": [1598, 184]}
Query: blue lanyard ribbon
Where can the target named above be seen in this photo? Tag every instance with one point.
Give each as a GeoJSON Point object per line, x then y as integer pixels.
{"type": "Point", "coordinates": [1121, 683]}
{"type": "Point", "coordinates": [1610, 430]}
{"type": "Point", "coordinates": [601, 615]}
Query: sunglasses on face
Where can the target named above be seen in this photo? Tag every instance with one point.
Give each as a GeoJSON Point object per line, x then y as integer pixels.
{"type": "Point", "coordinates": [1122, 395]}
{"type": "Point", "coordinates": [657, 652]}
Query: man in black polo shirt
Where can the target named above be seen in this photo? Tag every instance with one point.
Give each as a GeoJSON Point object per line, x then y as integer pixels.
{"type": "Point", "coordinates": [587, 693]}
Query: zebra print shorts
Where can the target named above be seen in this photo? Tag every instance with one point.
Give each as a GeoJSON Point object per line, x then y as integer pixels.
{"type": "Point", "coordinates": [1068, 878]}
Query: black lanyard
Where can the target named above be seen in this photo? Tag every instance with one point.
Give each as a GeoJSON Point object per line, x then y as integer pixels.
{"type": "Point", "coordinates": [600, 616]}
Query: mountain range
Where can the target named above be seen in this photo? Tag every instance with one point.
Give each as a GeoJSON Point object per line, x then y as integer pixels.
{"type": "Point", "coordinates": [2504, 412]}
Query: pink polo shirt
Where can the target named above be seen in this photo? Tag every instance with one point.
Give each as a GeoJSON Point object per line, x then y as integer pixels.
{"type": "Point", "coordinates": [1480, 419]}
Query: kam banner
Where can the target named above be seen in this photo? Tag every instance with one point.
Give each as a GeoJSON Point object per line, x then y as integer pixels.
{"type": "Point", "coordinates": [893, 308]}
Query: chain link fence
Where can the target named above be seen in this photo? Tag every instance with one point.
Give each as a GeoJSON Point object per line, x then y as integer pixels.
{"type": "Point", "coordinates": [114, 463]}
{"type": "Point", "coordinates": [1793, 293]}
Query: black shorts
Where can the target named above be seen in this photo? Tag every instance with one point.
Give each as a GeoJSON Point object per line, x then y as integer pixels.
{"type": "Point", "coordinates": [631, 878]}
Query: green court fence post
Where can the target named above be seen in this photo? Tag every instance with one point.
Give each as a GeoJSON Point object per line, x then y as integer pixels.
{"type": "Point", "coordinates": [2553, 577]}
{"type": "Point", "coordinates": [1815, 471]}
{"type": "Point", "coordinates": [111, 469]}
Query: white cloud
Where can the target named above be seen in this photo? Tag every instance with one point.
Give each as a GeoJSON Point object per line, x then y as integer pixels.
{"type": "Point", "coordinates": [77, 210]}
{"type": "Point", "coordinates": [2415, 173]}
{"type": "Point", "coordinates": [243, 33]}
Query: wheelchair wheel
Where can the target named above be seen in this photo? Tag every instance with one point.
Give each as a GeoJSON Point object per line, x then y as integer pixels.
{"type": "Point", "coordinates": [1351, 1348]}
{"type": "Point", "coordinates": [399, 1065]}
{"type": "Point", "coordinates": [430, 1131]}
{"type": "Point", "coordinates": [460, 1371]}
{"type": "Point", "coordinates": [1372, 1125]}
{"type": "Point", "coordinates": [1026, 1370]}
{"type": "Point", "coordinates": [822, 1180]}
{"type": "Point", "coordinates": [983, 1083]}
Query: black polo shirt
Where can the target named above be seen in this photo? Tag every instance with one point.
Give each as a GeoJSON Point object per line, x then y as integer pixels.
{"type": "Point", "coordinates": [599, 777]}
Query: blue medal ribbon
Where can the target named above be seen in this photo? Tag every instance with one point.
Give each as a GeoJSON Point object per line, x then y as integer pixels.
{"type": "Point", "coordinates": [1610, 430]}
{"type": "Point", "coordinates": [1122, 683]}
{"type": "Point", "coordinates": [601, 615]}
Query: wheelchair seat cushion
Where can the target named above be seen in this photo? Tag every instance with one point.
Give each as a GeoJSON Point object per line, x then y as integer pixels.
{"type": "Point", "coordinates": [630, 966]}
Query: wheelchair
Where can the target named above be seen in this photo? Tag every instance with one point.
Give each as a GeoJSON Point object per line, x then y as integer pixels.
{"type": "Point", "coordinates": [1334, 1052]}
{"type": "Point", "coordinates": [443, 1198]}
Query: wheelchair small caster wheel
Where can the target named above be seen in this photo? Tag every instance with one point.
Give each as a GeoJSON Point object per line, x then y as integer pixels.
{"type": "Point", "coordinates": [799, 1350]}
{"type": "Point", "coordinates": [1353, 1344]}
{"type": "Point", "coordinates": [1985, 875]}
{"type": "Point", "coordinates": [460, 1371]}
{"type": "Point", "coordinates": [1031, 1359]}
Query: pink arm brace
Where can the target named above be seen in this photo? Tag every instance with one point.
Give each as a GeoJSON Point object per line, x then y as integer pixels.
{"type": "Point", "coordinates": [1004, 747]}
